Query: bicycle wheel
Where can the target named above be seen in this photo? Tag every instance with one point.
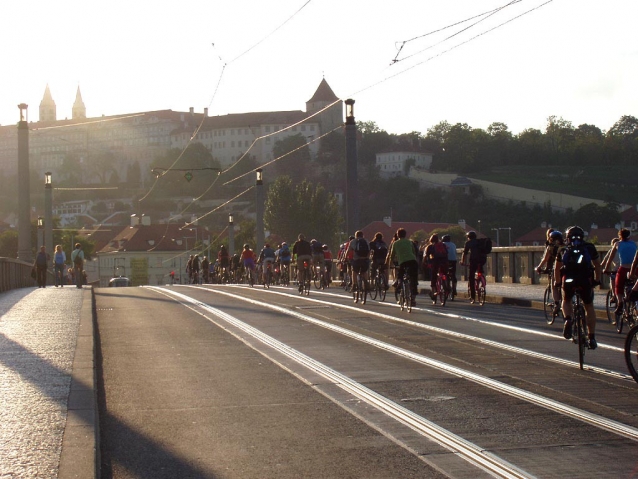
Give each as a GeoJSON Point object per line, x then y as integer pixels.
{"type": "Point", "coordinates": [382, 288]}
{"type": "Point", "coordinates": [408, 295]}
{"type": "Point", "coordinates": [609, 306]}
{"type": "Point", "coordinates": [631, 352]}
{"type": "Point", "coordinates": [317, 279]}
{"type": "Point", "coordinates": [442, 291]}
{"type": "Point", "coordinates": [355, 289]}
{"type": "Point", "coordinates": [374, 291]}
{"type": "Point", "coordinates": [363, 289]}
{"type": "Point", "coordinates": [548, 305]}
{"type": "Point", "coordinates": [480, 293]}
{"type": "Point", "coordinates": [401, 295]}
{"type": "Point", "coordinates": [267, 279]}
{"type": "Point", "coordinates": [582, 335]}
{"type": "Point", "coordinates": [621, 318]}
{"type": "Point", "coordinates": [306, 285]}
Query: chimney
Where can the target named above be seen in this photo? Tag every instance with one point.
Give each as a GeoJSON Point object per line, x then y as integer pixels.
{"type": "Point", "coordinates": [462, 224]}
{"type": "Point", "coordinates": [594, 226]}
{"type": "Point", "coordinates": [191, 110]}
{"type": "Point", "coordinates": [206, 112]}
{"type": "Point", "coordinates": [135, 221]}
{"type": "Point", "coordinates": [388, 221]}
{"type": "Point", "coordinates": [544, 224]}
{"type": "Point", "coordinates": [146, 220]}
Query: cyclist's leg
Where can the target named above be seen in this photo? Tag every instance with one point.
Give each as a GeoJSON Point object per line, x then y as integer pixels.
{"type": "Point", "coordinates": [473, 267]}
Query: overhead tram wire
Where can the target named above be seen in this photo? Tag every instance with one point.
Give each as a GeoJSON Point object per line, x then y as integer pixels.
{"type": "Point", "coordinates": [219, 207]}
{"type": "Point", "coordinates": [489, 14]}
{"type": "Point", "coordinates": [214, 95]}
{"type": "Point", "coordinates": [285, 154]}
{"type": "Point", "coordinates": [403, 43]}
{"type": "Point", "coordinates": [448, 50]}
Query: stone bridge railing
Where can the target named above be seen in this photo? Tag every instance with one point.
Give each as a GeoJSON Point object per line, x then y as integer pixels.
{"type": "Point", "coordinates": [517, 265]}
{"type": "Point", "coordinates": [15, 274]}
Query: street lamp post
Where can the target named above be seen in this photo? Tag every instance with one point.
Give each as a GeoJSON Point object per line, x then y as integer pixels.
{"type": "Point", "coordinates": [497, 241]}
{"type": "Point", "coordinates": [231, 235]}
{"type": "Point", "coordinates": [48, 212]}
{"type": "Point", "coordinates": [24, 202]}
{"type": "Point", "coordinates": [259, 209]}
{"type": "Point", "coordinates": [352, 187]}
{"type": "Point", "coordinates": [40, 240]}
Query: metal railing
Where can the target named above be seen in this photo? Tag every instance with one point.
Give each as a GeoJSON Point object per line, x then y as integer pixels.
{"type": "Point", "coordinates": [15, 274]}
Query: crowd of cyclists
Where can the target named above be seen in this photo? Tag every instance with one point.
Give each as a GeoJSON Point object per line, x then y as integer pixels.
{"type": "Point", "coordinates": [283, 264]}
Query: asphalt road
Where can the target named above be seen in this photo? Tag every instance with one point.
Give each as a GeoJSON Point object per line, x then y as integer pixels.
{"type": "Point", "coordinates": [238, 382]}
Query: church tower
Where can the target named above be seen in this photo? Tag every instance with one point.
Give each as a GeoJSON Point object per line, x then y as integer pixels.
{"type": "Point", "coordinates": [324, 96]}
{"type": "Point", "coordinates": [47, 107]}
{"type": "Point", "coordinates": [79, 110]}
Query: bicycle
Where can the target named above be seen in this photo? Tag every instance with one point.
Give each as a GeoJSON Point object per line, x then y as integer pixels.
{"type": "Point", "coordinates": [347, 280]}
{"type": "Point", "coordinates": [579, 327]}
{"type": "Point", "coordinates": [631, 352]}
{"type": "Point", "coordinates": [548, 298]}
{"type": "Point", "coordinates": [442, 288]}
{"type": "Point", "coordinates": [479, 286]}
{"type": "Point", "coordinates": [319, 277]}
{"type": "Point", "coordinates": [304, 287]}
{"type": "Point", "coordinates": [360, 289]}
{"type": "Point", "coordinates": [268, 274]}
{"type": "Point", "coordinates": [285, 275]}
{"type": "Point", "coordinates": [378, 285]}
{"type": "Point", "coordinates": [629, 313]}
{"type": "Point", "coordinates": [610, 299]}
{"type": "Point", "coordinates": [448, 283]}
{"type": "Point", "coordinates": [404, 289]}
{"type": "Point", "coordinates": [249, 276]}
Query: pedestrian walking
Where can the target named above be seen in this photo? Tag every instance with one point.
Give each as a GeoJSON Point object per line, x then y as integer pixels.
{"type": "Point", "coordinates": [77, 256]}
{"type": "Point", "coordinates": [59, 260]}
{"type": "Point", "coordinates": [40, 265]}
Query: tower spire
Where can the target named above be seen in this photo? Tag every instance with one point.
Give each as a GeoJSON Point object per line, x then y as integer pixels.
{"type": "Point", "coordinates": [47, 106]}
{"type": "Point", "coordinates": [79, 110]}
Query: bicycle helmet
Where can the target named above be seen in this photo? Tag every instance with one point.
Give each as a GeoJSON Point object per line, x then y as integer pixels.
{"type": "Point", "coordinates": [556, 236]}
{"type": "Point", "coordinates": [246, 246]}
{"type": "Point", "coordinates": [574, 232]}
{"type": "Point", "coordinates": [471, 235]}
{"type": "Point", "coordinates": [324, 247]}
{"type": "Point", "coordinates": [446, 238]}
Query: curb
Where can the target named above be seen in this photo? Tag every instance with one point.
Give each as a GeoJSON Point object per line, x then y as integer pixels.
{"type": "Point", "coordinates": [79, 457]}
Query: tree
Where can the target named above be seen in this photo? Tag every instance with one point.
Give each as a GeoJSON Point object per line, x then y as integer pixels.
{"type": "Point", "coordinates": [303, 208]}
{"type": "Point", "coordinates": [293, 158]}
{"type": "Point", "coordinates": [9, 244]}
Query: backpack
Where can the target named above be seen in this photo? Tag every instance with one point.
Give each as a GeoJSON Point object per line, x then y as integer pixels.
{"type": "Point", "coordinates": [362, 248]}
{"type": "Point", "coordinates": [285, 252]}
{"type": "Point", "coordinates": [380, 251]}
{"type": "Point", "coordinates": [77, 261]}
{"type": "Point", "coordinates": [484, 246]}
{"type": "Point", "coordinates": [440, 251]}
{"type": "Point", "coordinates": [576, 260]}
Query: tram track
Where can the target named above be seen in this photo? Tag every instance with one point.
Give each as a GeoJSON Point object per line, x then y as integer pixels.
{"type": "Point", "coordinates": [596, 420]}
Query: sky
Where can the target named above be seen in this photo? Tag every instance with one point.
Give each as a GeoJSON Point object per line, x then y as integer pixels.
{"type": "Point", "coordinates": [573, 59]}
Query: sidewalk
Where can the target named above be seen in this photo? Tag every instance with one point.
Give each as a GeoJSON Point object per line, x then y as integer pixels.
{"type": "Point", "coordinates": [517, 294]}
{"type": "Point", "coordinates": [48, 412]}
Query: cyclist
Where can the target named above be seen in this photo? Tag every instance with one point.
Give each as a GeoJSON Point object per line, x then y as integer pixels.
{"type": "Point", "coordinates": [342, 260]}
{"type": "Point", "coordinates": [303, 251]}
{"type": "Point", "coordinates": [327, 259]}
{"type": "Point", "coordinates": [205, 269]}
{"type": "Point", "coordinates": [360, 250]}
{"type": "Point", "coordinates": [477, 260]}
{"type": "Point", "coordinates": [378, 254]}
{"type": "Point", "coordinates": [552, 246]}
{"type": "Point", "coordinates": [626, 250]}
{"type": "Point", "coordinates": [189, 269]}
{"type": "Point", "coordinates": [234, 264]}
{"type": "Point", "coordinates": [266, 258]}
{"type": "Point", "coordinates": [317, 256]}
{"type": "Point", "coordinates": [222, 257]}
{"type": "Point", "coordinates": [451, 260]}
{"type": "Point", "coordinates": [284, 256]}
{"type": "Point", "coordinates": [195, 269]}
{"type": "Point", "coordinates": [248, 259]}
{"type": "Point", "coordinates": [403, 252]}
{"type": "Point", "coordinates": [435, 255]}
{"type": "Point", "coordinates": [573, 270]}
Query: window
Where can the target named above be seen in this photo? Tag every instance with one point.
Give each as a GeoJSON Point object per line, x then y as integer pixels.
{"type": "Point", "coordinates": [303, 127]}
{"type": "Point", "coordinates": [267, 129]}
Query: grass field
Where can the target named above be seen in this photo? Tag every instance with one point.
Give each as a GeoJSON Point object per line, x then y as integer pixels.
{"type": "Point", "coordinates": [603, 183]}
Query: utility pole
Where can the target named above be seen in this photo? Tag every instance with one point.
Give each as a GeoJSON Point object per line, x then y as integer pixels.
{"type": "Point", "coordinates": [352, 186]}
